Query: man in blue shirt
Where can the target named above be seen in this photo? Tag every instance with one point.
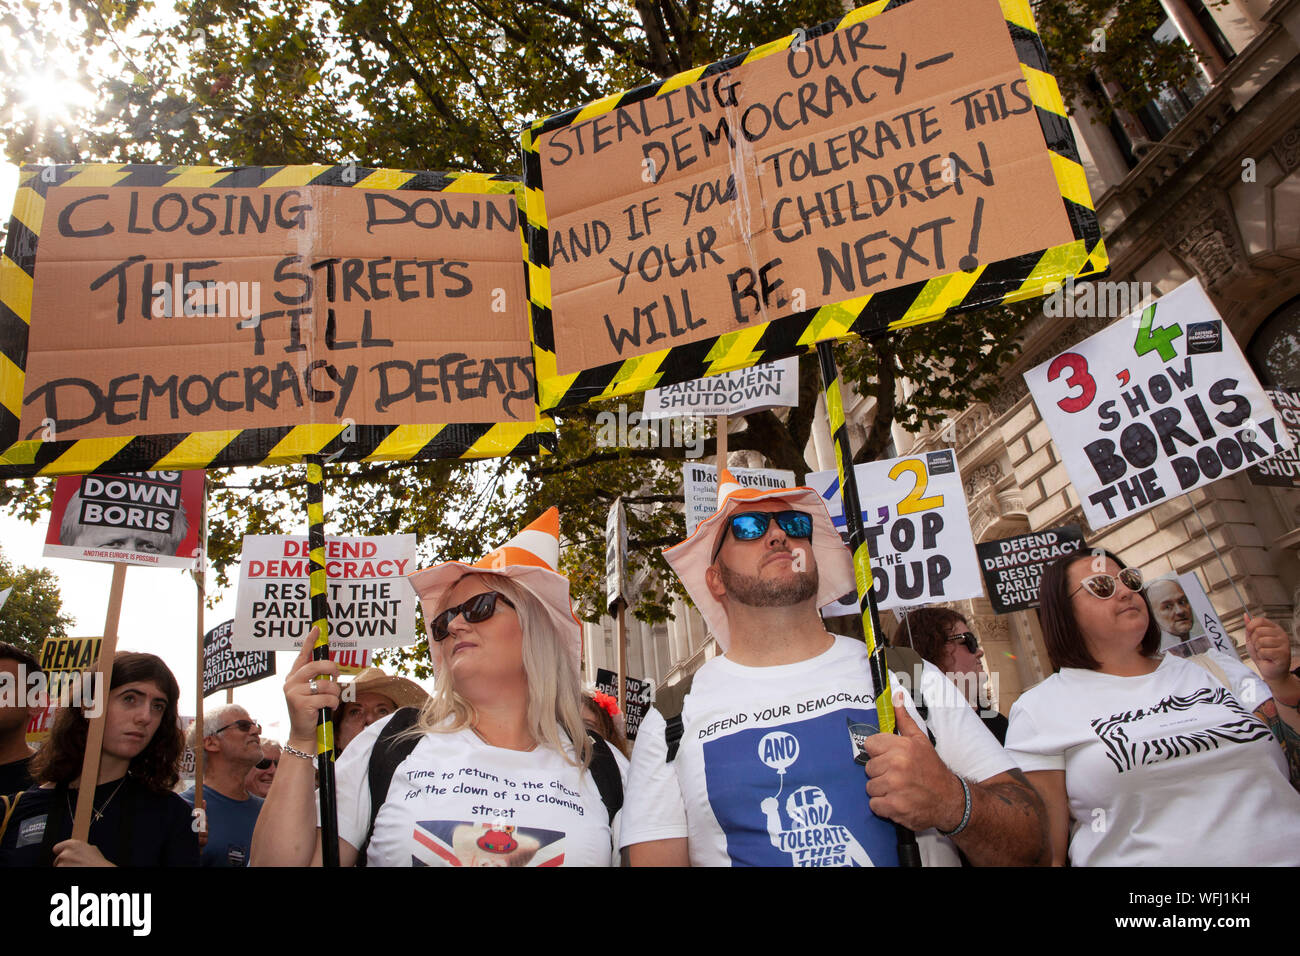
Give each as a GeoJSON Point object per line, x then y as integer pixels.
{"type": "Point", "coordinates": [232, 746]}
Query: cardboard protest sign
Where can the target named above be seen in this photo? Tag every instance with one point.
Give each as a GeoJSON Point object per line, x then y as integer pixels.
{"type": "Point", "coordinates": [700, 487]}
{"type": "Point", "coordinates": [224, 667]}
{"type": "Point", "coordinates": [909, 161]}
{"type": "Point", "coordinates": [918, 530]}
{"type": "Point", "coordinates": [1012, 567]}
{"type": "Point", "coordinates": [771, 385]}
{"type": "Point", "coordinates": [371, 604]}
{"type": "Point", "coordinates": [1157, 404]}
{"type": "Point", "coordinates": [191, 317]}
{"type": "Point", "coordinates": [69, 653]}
{"type": "Point", "coordinates": [1187, 620]}
{"type": "Point", "coordinates": [68, 663]}
{"type": "Point", "coordinates": [150, 518]}
{"type": "Point", "coordinates": [640, 697]}
{"type": "Point", "coordinates": [1282, 470]}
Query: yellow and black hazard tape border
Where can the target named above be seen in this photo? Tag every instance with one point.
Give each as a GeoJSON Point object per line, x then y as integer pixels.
{"type": "Point", "coordinates": [1010, 280]}
{"type": "Point", "coordinates": [220, 449]}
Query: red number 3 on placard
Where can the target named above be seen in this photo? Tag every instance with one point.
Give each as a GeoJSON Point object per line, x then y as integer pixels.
{"type": "Point", "coordinates": [1078, 366]}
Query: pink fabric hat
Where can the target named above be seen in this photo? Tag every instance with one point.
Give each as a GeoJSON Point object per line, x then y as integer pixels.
{"type": "Point", "coordinates": [692, 558]}
{"type": "Point", "coordinates": [529, 559]}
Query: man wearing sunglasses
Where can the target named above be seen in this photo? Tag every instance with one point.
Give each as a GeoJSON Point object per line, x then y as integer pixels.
{"type": "Point", "coordinates": [232, 745]}
{"type": "Point", "coordinates": [758, 768]}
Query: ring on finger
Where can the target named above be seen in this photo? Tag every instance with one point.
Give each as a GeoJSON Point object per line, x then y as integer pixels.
{"type": "Point", "coordinates": [313, 686]}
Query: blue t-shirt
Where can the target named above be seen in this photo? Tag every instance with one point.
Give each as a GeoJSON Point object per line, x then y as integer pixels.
{"type": "Point", "coordinates": [230, 827]}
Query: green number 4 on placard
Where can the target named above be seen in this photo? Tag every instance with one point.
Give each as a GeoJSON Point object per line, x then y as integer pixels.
{"type": "Point", "coordinates": [1161, 339]}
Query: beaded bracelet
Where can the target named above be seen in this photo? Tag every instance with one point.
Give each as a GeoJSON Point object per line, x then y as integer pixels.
{"type": "Point", "coordinates": [965, 817]}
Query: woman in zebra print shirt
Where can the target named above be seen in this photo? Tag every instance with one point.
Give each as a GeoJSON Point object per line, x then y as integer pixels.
{"type": "Point", "coordinates": [1144, 760]}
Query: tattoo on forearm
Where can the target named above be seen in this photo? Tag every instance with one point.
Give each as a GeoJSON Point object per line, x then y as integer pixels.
{"type": "Point", "coordinates": [1023, 800]}
{"type": "Point", "coordinates": [1286, 735]}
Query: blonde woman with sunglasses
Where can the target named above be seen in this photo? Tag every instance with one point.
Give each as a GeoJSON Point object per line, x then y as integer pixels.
{"type": "Point", "coordinates": [497, 768]}
{"type": "Point", "coordinates": [1145, 760]}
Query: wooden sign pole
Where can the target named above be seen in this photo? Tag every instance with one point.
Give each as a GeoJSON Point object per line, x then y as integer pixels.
{"type": "Point", "coordinates": [95, 736]}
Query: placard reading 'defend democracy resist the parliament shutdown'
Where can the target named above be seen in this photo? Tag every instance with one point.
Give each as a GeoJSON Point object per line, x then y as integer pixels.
{"type": "Point", "coordinates": [770, 385]}
{"type": "Point", "coordinates": [371, 603]}
{"type": "Point", "coordinates": [1012, 567]}
{"type": "Point", "coordinates": [904, 143]}
{"type": "Point", "coordinates": [918, 530]}
{"type": "Point", "coordinates": [640, 697]}
{"type": "Point", "coordinates": [167, 303]}
{"type": "Point", "coordinates": [1157, 404]}
{"type": "Point", "coordinates": [225, 667]}
{"type": "Point", "coordinates": [1282, 471]}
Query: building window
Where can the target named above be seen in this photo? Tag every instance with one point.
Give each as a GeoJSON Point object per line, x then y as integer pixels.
{"type": "Point", "coordinates": [1203, 17]}
{"type": "Point", "coordinates": [1274, 349]}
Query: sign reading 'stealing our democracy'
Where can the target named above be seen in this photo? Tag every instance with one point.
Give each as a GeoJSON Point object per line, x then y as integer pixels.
{"type": "Point", "coordinates": [1157, 404]}
{"type": "Point", "coordinates": [168, 303]}
{"type": "Point", "coordinates": [1012, 567]}
{"type": "Point", "coordinates": [895, 147]}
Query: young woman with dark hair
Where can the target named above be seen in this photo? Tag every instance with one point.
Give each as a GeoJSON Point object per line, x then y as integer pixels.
{"type": "Point", "coordinates": [137, 820]}
{"type": "Point", "coordinates": [1144, 760]}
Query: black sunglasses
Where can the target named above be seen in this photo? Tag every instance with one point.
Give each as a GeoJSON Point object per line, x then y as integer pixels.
{"type": "Point", "coordinates": [751, 525]}
{"type": "Point", "coordinates": [478, 608]}
{"type": "Point", "coordinates": [266, 763]}
{"type": "Point", "coordinates": [966, 637]}
{"type": "Point", "coordinates": [244, 726]}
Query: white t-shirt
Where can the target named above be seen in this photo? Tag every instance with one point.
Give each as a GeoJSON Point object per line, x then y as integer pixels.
{"type": "Point", "coordinates": [1165, 769]}
{"type": "Point", "coordinates": [457, 801]}
{"type": "Point", "coordinates": [765, 775]}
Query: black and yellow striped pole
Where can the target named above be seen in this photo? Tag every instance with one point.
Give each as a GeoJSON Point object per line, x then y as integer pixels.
{"type": "Point", "coordinates": [329, 828]}
{"type": "Point", "coordinates": [908, 853]}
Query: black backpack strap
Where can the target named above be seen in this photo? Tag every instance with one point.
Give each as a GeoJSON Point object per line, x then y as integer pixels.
{"type": "Point", "coordinates": [387, 754]}
{"type": "Point", "coordinates": [672, 736]}
{"type": "Point", "coordinates": [604, 770]}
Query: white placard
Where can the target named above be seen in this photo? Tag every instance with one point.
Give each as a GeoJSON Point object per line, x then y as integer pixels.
{"type": "Point", "coordinates": [771, 385]}
{"type": "Point", "coordinates": [1187, 620]}
{"type": "Point", "coordinates": [1158, 404]}
{"type": "Point", "coordinates": [371, 604]}
{"type": "Point", "coordinates": [918, 530]}
{"type": "Point", "coordinates": [700, 487]}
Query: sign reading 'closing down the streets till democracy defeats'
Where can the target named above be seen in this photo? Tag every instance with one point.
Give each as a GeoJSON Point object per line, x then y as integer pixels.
{"type": "Point", "coordinates": [371, 603]}
{"type": "Point", "coordinates": [840, 169]}
{"type": "Point", "coordinates": [918, 530]}
{"type": "Point", "coordinates": [1012, 567]}
{"type": "Point", "coordinates": [201, 312]}
{"type": "Point", "coordinates": [1157, 404]}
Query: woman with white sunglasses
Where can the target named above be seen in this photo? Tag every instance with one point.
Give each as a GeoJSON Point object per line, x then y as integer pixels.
{"type": "Point", "coordinates": [497, 768]}
{"type": "Point", "coordinates": [1143, 760]}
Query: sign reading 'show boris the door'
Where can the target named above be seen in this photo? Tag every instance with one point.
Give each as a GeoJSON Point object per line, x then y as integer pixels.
{"type": "Point", "coordinates": [1157, 404]}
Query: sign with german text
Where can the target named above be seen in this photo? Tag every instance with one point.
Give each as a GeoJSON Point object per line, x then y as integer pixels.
{"type": "Point", "coordinates": [1012, 567]}
{"type": "Point", "coordinates": [918, 530]}
{"type": "Point", "coordinates": [204, 317]}
{"type": "Point", "coordinates": [371, 603]}
{"type": "Point", "coordinates": [1282, 470]}
{"type": "Point", "coordinates": [224, 667]}
{"type": "Point", "coordinates": [908, 161]}
{"type": "Point", "coordinates": [1158, 404]}
{"type": "Point", "coordinates": [700, 487]}
{"type": "Point", "coordinates": [771, 385]}
{"type": "Point", "coordinates": [640, 698]}
{"type": "Point", "coordinates": [148, 518]}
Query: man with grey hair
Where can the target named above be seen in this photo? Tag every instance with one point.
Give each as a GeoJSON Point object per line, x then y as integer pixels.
{"type": "Point", "coordinates": [1172, 611]}
{"type": "Point", "coordinates": [231, 746]}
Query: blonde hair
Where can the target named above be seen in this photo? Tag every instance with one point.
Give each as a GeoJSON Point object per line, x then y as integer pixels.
{"type": "Point", "coordinates": [554, 710]}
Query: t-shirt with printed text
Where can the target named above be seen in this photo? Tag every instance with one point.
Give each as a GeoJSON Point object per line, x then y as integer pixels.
{"type": "Point", "coordinates": [458, 801]}
{"type": "Point", "coordinates": [765, 775]}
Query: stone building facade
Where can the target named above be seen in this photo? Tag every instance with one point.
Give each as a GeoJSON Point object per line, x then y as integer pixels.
{"type": "Point", "coordinates": [1204, 182]}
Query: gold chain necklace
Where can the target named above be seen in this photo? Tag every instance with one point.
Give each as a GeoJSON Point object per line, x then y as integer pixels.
{"type": "Point", "coordinates": [98, 814]}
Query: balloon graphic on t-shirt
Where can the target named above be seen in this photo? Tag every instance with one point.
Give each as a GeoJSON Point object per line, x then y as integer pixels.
{"type": "Point", "coordinates": [778, 750]}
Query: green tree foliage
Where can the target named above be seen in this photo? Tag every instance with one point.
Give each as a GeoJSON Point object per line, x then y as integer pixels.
{"type": "Point", "coordinates": [447, 85]}
{"type": "Point", "coordinates": [34, 610]}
